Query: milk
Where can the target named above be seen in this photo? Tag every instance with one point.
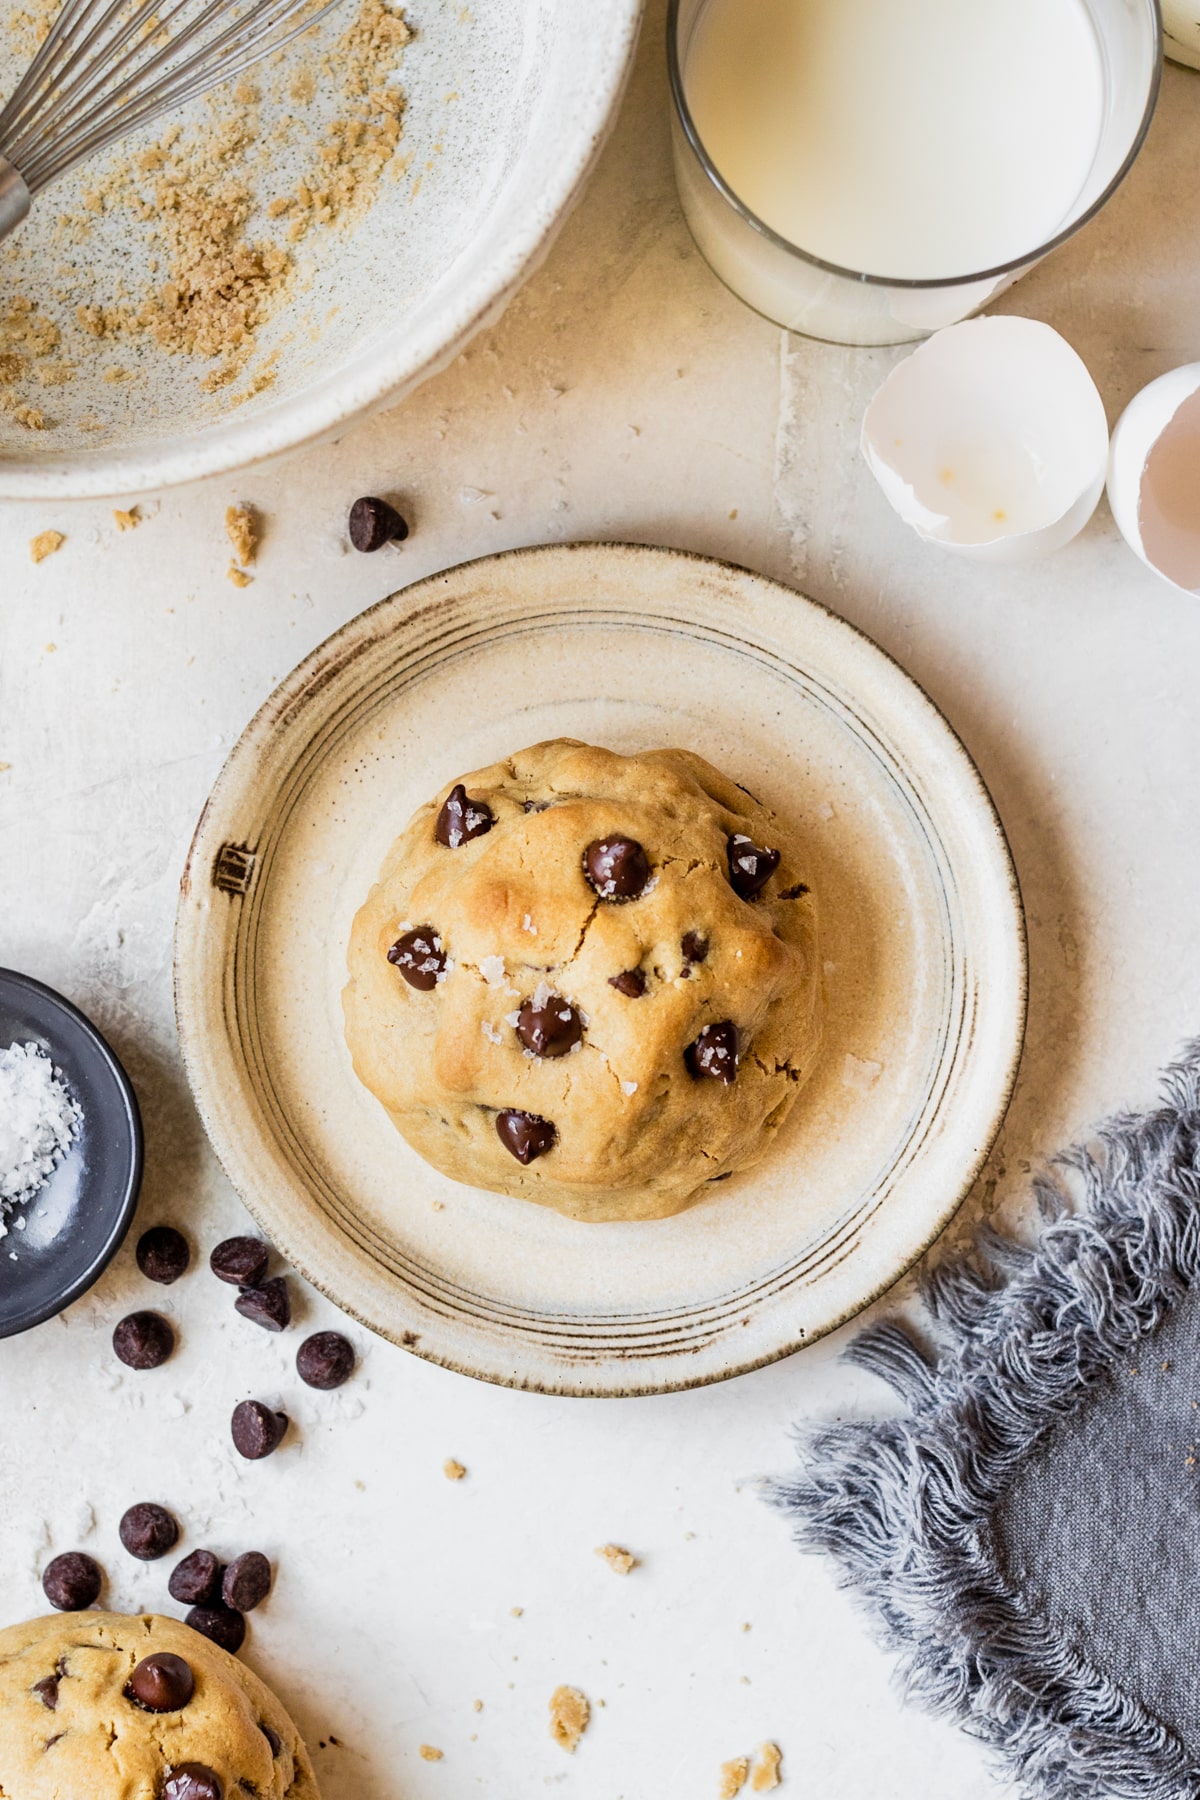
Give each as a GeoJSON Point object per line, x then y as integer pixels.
{"type": "Point", "coordinates": [904, 139]}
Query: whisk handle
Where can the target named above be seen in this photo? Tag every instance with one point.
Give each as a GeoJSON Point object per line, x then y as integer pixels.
{"type": "Point", "coordinates": [14, 197]}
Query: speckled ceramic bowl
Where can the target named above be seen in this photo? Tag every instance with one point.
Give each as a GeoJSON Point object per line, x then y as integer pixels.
{"type": "Point", "coordinates": [507, 105]}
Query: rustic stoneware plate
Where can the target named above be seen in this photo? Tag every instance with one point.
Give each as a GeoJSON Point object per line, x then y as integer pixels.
{"type": "Point", "coordinates": [923, 948]}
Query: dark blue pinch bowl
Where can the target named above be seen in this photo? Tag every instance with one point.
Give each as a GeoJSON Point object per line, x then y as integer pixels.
{"type": "Point", "coordinates": [76, 1222]}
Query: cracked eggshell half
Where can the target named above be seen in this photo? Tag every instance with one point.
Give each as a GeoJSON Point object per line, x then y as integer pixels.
{"type": "Point", "coordinates": [990, 440]}
{"type": "Point", "coordinates": [1154, 476]}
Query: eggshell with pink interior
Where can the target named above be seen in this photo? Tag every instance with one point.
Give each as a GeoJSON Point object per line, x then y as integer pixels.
{"type": "Point", "coordinates": [990, 440]}
{"type": "Point", "coordinates": [1154, 476]}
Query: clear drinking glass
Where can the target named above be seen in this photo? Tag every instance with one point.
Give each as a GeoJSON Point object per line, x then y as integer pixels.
{"type": "Point", "coordinates": [848, 306]}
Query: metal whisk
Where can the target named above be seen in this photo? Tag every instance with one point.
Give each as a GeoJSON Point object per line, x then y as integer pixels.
{"type": "Point", "coordinates": [107, 67]}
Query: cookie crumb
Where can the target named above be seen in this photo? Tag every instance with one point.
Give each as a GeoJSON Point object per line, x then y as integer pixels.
{"type": "Point", "coordinates": [768, 1764]}
{"type": "Point", "coordinates": [619, 1561]}
{"type": "Point", "coordinates": [238, 576]}
{"type": "Point", "coordinates": [452, 1470]}
{"type": "Point", "coordinates": [45, 544]}
{"type": "Point", "coordinates": [734, 1775]}
{"type": "Point", "coordinates": [430, 1753]}
{"type": "Point", "coordinates": [242, 530]}
{"type": "Point", "coordinates": [127, 521]}
{"type": "Point", "coordinates": [569, 1716]}
{"type": "Point", "coordinates": [516, 1612]}
{"type": "Point", "coordinates": [478, 1705]}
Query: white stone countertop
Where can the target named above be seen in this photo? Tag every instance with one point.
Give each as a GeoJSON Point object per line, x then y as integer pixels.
{"type": "Point", "coordinates": [624, 395]}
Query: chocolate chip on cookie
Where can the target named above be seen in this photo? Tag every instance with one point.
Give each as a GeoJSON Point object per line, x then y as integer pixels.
{"type": "Point", "coordinates": [257, 1430]}
{"type": "Point", "coordinates": [750, 868]}
{"type": "Point", "coordinates": [148, 1531]}
{"type": "Point", "coordinates": [325, 1360]}
{"type": "Point", "coordinates": [220, 1624]}
{"type": "Point", "coordinates": [196, 1581]}
{"type": "Point", "coordinates": [461, 819]}
{"type": "Point", "coordinates": [47, 1691]}
{"type": "Point", "coordinates": [144, 1340]}
{"type": "Point", "coordinates": [161, 1683]}
{"type": "Point", "coordinates": [247, 1581]}
{"type": "Point", "coordinates": [694, 946]}
{"type": "Point", "coordinates": [269, 1304]}
{"type": "Point", "coordinates": [72, 1582]}
{"type": "Point", "coordinates": [617, 867]}
{"type": "Point", "coordinates": [163, 1254]}
{"type": "Point", "coordinates": [715, 1053]}
{"type": "Point", "coordinates": [419, 957]}
{"type": "Point", "coordinates": [242, 1261]}
{"type": "Point", "coordinates": [525, 1135]}
{"type": "Point", "coordinates": [273, 1738]}
{"type": "Point", "coordinates": [549, 1026]}
{"type": "Point", "coordinates": [630, 982]}
{"type": "Point", "coordinates": [192, 1781]}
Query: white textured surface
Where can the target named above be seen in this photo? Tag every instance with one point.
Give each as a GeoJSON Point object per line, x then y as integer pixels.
{"type": "Point", "coordinates": [624, 395]}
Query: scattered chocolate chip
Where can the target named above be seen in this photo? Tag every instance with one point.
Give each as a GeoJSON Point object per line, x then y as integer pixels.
{"type": "Point", "coordinates": [715, 1053]}
{"type": "Point", "coordinates": [220, 1624]}
{"type": "Point", "coordinates": [144, 1340]}
{"type": "Point", "coordinates": [192, 1781]}
{"type": "Point", "coordinates": [247, 1581]}
{"type": "Point", "coordinates": [695, 946]}
{"type": "Point", "coordinates": [47, 1691]}
{"type": "Point", "coordinates": [630, 982]}
{"type": "Point", "coordinates": [617, 867]}
{"type": "Point", "coordinates": [525, 1135]}
{"type": "Point", "coordinates": [374, 523]}
{"type": "Point", "coordinates": [461, 819]}
{"type": "Point", "coordinates": [750, 868]}
{"type": "Point", "coordinates": [161, 1683]}
{"type": "Point", "coordinates": [163, 1254]}
{"type": "Point", "coordinates": [325, 1360]}
{"type": "Point", "coordinates": [419, 957]}
{"type": "Point", "coordinates": [268, 1305]}
{"type": "Point", "coordinates": [795, 893]}
{"type": "Point", "coordinates": [242, 1261]}
{"type": "Point", "coordinates": [72, 1582]}
{"type": "Point", "coordinates": [257, 1430]}
{"type": "Point", "coordinates": [196, 1581]}
{"type": "Point", "coordinates": [549, 1030]}
{"type": "Point", "coordinates": [148, 1531]}
{"type": "Point", "coordinates": [273, 1738]}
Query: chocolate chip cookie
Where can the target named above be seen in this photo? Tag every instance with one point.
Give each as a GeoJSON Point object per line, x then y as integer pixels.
{"type": "Point", "coordinates": [588, 980]}
{"type": "Point", "coordinates": [139, 1708]}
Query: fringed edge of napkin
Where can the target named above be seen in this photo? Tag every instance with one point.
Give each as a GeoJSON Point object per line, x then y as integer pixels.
{"type": "Point", "coordinates": [904, 1505]}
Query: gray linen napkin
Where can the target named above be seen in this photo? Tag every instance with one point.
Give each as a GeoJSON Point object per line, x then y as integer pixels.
{"type": "Point", "coordinates": [1027, 1534]}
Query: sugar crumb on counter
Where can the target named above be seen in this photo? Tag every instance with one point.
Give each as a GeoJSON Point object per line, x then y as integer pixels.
{"type": "Point", "coordinates": [621, 1562]}
{"type": "Point", "coordinates": [430, 1753]}
{"type": "Point", "coordinates": [733, 1777]}
{"type": "Point", "coordinates": [570, 1713]}
{"type": "Point", "coordinates": [45, 544]}
{"type": "Point", "coordinates": [453, 1470]}
{"type": "Point", "coordinates": [767, 1772]}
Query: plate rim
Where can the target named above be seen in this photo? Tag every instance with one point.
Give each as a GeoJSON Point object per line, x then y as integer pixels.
{"type": "Point", "coordinates": [277, 703]}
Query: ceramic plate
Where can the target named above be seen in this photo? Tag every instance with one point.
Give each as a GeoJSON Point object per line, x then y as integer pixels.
{"type": "Point", "coordinates": [922, 944]}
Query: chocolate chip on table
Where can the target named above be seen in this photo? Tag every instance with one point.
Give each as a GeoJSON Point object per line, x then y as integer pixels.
{"type": "Point", "coordinates": [419, 957]}
{"type": "Point", "coordinates": [630, 982]}
{"type": "Point", "coordinates": [551, 1029]}
{"type": "Point", "coordinates": [47, 1691]}
{"type": "Point", "coordinates": [715, 1053]}
{"type": "Point", "coordinates": [462, 819]}
{"type": "Point", "coordinates": [192, 1781]}
{"type": "Point", "coordinates": [750, 868]}
{"type": "Point", "coordinates": [269, 1304]}
{"type": "Point", "coordinates": [163, 1254]}
{"type": "Point", "coordinates": [148, 1531]}
{"type": "Point", "coordinates": [242, 1261]}
{"type": "Point", "coordinates": [325, 1360]}
{"type": "Point", "coordinates": [617, 867]}
{"type": "Point", "coordinates": [273, 1738]}
{"type": "Point", "coordinates": [196, 1581]}
{"type": "Point", "coordinates": [257, 1430]}
{"type": "Point", "coordinates": [161, 1683]}
{"type": "Point", "coordinates": [374, 523]}
{"type": "Point", "coordinates": [525, 1135]}
{"type": "Point", "coordinates": [247, 1581]}
{"type": "Point", "coordinates": [144, 1340]}
{"type": "Point", "coordinates": [220, 1624]}
{"type": "Point", "coordinates": [695, 946]}
{"type": "Point", "coordinates": [72, 1582]}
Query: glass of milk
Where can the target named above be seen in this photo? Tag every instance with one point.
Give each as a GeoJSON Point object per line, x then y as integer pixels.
{"type": "Point", "coordinates": [869, 171]}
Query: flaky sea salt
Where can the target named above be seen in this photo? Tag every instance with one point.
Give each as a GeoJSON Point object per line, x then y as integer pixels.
{"type": "Point", "coordinates": [38, 1121]}
{"type": "Point", "coordinates": [492, 970]}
